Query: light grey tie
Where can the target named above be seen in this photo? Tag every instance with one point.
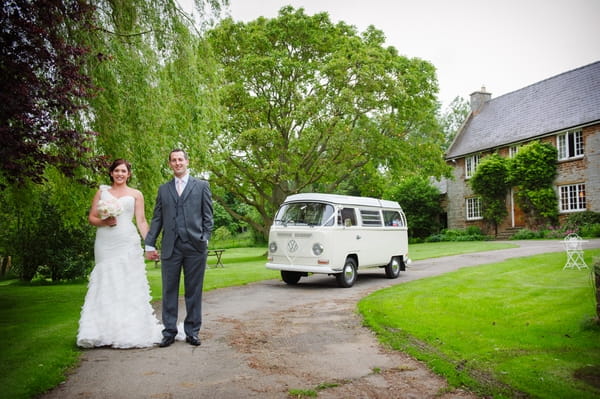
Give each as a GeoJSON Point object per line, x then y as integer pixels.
{"type": "Point", "coordinates": [179, 186]}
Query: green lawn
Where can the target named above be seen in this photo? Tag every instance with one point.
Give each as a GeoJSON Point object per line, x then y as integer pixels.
{"type": "Point", "coordinates": [38, 323]}
{"type": "Point", "coordinates": [520, 326]}
{"type": "Point", "coordinates": [241, 266]}
{"type": "Point", "coordinates": [439, 249]}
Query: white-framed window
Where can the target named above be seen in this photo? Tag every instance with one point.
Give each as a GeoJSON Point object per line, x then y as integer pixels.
{"type": "Point", "coordinates": [470, 165]}
{"type": "Point", "coordinates": [570, 144]}
{"type": "Point", "coordinates": [572, 198]}
{"type": "Point", "coordinates": [474, 208]}
{"type": "Point", "coordinates": [513, 150]}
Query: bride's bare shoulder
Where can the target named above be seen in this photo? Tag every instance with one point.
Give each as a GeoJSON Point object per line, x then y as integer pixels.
{"type": "Point", "coordinates": [136, 193]}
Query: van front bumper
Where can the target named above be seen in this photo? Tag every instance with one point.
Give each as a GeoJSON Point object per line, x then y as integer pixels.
{"type": "Point", "coordinates": [303, 268]}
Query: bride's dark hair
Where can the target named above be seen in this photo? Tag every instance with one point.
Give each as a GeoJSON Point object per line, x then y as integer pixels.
{"type": "Point", "coordinates": [114, 165]}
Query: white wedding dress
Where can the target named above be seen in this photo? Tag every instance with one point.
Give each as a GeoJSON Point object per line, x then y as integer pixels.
{"type": "Point", "coordinates": [117, 310]}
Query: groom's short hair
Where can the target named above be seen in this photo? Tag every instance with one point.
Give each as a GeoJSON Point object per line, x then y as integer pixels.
{"type": "Point", "coordinates": [178, 150]}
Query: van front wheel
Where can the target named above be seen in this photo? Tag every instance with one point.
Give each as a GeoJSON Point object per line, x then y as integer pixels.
{"type": "Point", "coordinates": [291, 278]}
{"type": "Point", "coordinates": [347, 277]}
{"type": "Point", "coordinates": [392, 269]}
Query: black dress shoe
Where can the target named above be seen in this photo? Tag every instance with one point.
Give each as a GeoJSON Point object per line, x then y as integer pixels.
{"type": "Point", "coordinates": [193, 340]}
{"type": "Point", "coordinates": [166, 341]}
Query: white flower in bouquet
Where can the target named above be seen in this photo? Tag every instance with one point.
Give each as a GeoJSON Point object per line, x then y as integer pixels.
{"type": "Point", "coordinates": [109, 208]}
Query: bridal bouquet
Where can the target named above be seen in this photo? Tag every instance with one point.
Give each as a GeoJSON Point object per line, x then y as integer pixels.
{"type": "Point", "coordinates": [109, 208]}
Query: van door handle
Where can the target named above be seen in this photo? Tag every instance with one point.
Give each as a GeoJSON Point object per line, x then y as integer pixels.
{"type": "Point", "coordinates": [358, 237]}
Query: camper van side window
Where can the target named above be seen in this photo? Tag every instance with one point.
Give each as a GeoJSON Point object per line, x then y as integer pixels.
{"type": "Point", "coordinates": [393, 218]}
{"type": "Point", "coordinates": [347, 217]}
{"type": "Point", "coordinates": [370, 218]}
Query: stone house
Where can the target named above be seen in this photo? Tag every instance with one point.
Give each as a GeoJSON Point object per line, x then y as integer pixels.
{"type": "Point", "coordinates": [563, 110]}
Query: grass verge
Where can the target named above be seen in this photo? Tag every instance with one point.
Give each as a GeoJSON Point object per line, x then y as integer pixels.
{"type": "Point", "coordinates": [512, 329]}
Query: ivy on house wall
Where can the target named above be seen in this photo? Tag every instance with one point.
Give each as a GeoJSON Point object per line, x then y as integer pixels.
{"type": "Point", "coordinates": [532, 171]}
{"type": "Point", "coordinates": [490, 181]}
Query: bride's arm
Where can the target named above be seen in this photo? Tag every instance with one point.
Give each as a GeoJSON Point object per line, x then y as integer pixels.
{"type": "Point", "coordinates": [140, 216]}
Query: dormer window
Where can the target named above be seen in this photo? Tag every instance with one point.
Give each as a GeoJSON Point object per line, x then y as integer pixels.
{"type": "Point", "coordinates": [570, 145]}
{"type": "Point", "coordinates": [471, 165]}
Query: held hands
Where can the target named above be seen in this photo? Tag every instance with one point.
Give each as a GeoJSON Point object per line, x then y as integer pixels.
{"type": "Point", "coordinates": [152, 255]}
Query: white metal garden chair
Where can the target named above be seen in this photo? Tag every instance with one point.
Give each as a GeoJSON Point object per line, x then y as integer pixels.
{"type": "Point", "coordinates": [574, 247]}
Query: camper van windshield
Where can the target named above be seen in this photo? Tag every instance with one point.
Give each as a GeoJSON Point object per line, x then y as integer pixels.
{"type": "Point", "coordinates": [305, 213]}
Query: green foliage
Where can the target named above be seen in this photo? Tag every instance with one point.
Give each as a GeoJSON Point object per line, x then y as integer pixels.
{"type": "Point", "coordinates": [452, 119]}
{"type": "Point", "coordinates": [534, 166]}
{"type": "Point", "coordinates": [222, 234]}
{"type": "Point", "coordinates": [591, 230]}
{"type": "Point", "coordinates": [527, 234]}
{"type": "Point", "coordinates": [547, 232]}
{"type": "Point", "coordinates": [472, 233]}
{"type": "Point", "coordinates": [45, 229]}
{"type": "Point", "coordinates": [587, 222]}
{"type": "Point", "coordinates": [532, 171]}
{"type": "Point", "coordinates": [511, 329]}
{"type": "Point", "coordinates": [153, 76]}
{"type": "Point", "coordinates": [421, 203]}
{"type": "Point", "coordinates": [308, 103]}
{"type": "Point", "coordinates": [490, 181]}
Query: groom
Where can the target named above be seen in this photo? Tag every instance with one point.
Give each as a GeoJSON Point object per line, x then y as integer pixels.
{"type": "Point", "coordinates": [184, 213]}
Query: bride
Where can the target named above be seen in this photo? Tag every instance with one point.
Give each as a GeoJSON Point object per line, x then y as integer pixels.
{"type": "Point", "coordinates": [117, 310]}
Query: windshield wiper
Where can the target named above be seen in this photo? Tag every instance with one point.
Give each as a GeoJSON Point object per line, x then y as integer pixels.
{"type": "Point", "coordinates": [284, 222]}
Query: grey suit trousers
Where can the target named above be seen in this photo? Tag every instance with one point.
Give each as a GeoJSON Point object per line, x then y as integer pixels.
{"type": "Point", "coordinates": [193, 261]}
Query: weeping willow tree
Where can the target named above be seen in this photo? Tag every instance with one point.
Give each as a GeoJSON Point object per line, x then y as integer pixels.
{"type": "Point", "coordinates": [151, 72]}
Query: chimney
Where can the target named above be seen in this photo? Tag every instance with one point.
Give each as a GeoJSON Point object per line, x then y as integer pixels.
{"type": "Point", "coordinates": [478, 98]}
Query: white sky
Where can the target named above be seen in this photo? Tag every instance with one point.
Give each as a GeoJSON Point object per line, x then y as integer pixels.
{"type": "Point", "coordinates": [503, 45]}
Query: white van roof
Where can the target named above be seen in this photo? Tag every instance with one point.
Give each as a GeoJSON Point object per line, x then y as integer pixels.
{"type": "Point", "coordinates": [343, 200]}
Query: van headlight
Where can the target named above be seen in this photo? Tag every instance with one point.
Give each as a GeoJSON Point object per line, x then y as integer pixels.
{"type": "Point", "coordinates": [273, 246]}
{"type": "Point", "coordinates": [317, 248]}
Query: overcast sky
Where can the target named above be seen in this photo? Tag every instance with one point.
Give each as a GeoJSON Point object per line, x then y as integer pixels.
{"type": "Point", "coordinates": [503, 45]}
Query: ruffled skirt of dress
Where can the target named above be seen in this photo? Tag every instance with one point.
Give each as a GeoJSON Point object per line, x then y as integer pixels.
{"type": "Point", "coordinates": [117, 310]}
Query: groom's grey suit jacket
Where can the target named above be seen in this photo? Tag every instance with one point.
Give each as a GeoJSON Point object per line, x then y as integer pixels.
{"type": "Point", "coordinates": [189, 216]}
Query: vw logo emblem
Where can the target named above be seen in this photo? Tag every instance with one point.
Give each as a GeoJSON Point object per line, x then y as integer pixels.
{"type": "Point", "coordinates": [292, 246]}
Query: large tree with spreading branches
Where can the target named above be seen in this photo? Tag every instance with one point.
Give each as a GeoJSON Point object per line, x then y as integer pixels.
{"type": "Point", "coordinates": [308, 103]}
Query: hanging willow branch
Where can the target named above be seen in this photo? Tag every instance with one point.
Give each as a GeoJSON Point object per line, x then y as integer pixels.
{"type": "Point", "coordinates": [126, 35]}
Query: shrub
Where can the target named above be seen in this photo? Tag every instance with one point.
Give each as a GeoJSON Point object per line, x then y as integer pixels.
{"type": "Point", "coordinates": [472, 233]}
{"type": "Point", "coordinates": [420, 202]}
{"type": "Point", "coordinates": [585, 222]}
{"type": "Point", "coordinates": [591, 230]}
{"type": "Point", "coordinates": [222, 234]}
{"type": "Point", "coordinates": [526, 234]}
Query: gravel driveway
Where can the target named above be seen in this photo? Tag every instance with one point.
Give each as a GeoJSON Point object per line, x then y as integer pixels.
{"type": "Point", "coordinates": [266, 338]}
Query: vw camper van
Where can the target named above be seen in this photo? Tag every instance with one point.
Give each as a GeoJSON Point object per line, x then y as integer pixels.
{"type": "Point", "coordinates": [336, 235]}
